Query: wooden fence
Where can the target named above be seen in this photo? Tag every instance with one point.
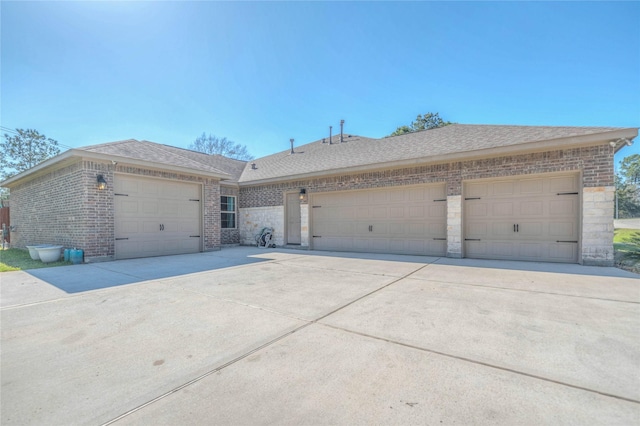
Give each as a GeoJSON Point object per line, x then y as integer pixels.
{"type": "Point", "coordinates": [5, 221]}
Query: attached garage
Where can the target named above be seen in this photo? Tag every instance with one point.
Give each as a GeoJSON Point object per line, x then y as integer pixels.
{"type": "Point", "coordinates": [400, 220]}
{"type": "Point", "coordinates": [526, 218]}
{"type": "Point", "coordinates": [156, 217]}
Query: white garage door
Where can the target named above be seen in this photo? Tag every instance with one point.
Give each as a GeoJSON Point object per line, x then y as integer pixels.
{"type": "Point", "coordinates": [407, 220]}
{"type": "Point", "coordinates": [532, 218]}
{"type": "Point", "coordinates": [156, 217]}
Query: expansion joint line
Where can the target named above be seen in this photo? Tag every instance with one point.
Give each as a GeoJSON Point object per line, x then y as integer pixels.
{"type": "Point", "coordinates": [259, 348]}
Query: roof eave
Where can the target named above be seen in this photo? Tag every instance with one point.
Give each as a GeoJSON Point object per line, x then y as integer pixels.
{"type": "Point", "coordinates": [88, 155]}
{"type": "Point", "coordinates": [537, 146]}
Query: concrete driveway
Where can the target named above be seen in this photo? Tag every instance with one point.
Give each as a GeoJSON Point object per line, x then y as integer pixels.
{"type": "Point", "coordinates": [248, 336]}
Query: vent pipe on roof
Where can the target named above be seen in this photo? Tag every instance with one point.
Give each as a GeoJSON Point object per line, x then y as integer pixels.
{"type": "Point", "coordinates": [291, 140]}
{"type": "Point", "coordinates": [324, 140]}
{"type": "Point", "coordinates": [330, 128]}
{"type": "Point", "coordinates": [341, 127]}
{"type": "Point", "coordinates": [253, 166]}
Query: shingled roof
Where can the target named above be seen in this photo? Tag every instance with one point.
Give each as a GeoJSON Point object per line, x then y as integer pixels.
{"type": "Point", "coordinates": [440, 144]}
{"type": "Point", "coordinates": [171, 155]}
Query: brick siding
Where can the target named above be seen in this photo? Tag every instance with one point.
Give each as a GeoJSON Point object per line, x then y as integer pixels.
{"type": "Point", "coordinates": [595, 162]}
{"type": "Point", "coordinates": [65, 207]}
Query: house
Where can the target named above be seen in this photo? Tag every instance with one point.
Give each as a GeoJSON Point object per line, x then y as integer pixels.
{"type": "Point", "coordinates": [479, 191]}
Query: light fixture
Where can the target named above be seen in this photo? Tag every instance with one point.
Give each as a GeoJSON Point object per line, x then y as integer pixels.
{"type": "Point", "coordinates": [102, 184]}
{"type": "Point", "coordinates": [303, 193]}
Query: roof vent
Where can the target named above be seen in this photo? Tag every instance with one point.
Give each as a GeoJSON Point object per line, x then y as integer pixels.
{"type": "Point", "coordinates": [253, 166]}
{"type": "Point", "coordinates": [330, 130]}
{"type": "Point", "coordinates": [291, 140]}
{"type": "Point", "coordinates": [324, 140]}
{"type": "Point", "coordinates": [341, 127]}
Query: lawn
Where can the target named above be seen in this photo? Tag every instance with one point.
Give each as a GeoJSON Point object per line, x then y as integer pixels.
{"type": "Point", "coordinates": [626, 245]}
{"type": "Point", "coordinates": [18, 260]}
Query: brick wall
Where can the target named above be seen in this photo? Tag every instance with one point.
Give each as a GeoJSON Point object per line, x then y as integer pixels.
{"type": "Point", "coordinates": [595, 162]}
{"type": "Point", "coordinates": [65, 207]}
{"type": "Point", "coordinates": [47, 210]}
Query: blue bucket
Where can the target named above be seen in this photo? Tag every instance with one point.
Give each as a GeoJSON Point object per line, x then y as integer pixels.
{"type": "Point", "coordinates": [67, 254]}
{"type": "Point", "coordinates": [76, 256]}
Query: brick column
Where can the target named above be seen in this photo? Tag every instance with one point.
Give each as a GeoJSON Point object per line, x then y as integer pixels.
{"type": "Point", "coordinates": [597, 226]}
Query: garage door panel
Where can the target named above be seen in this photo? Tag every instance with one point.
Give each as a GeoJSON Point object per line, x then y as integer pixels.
{"type": "Point", "coordinates": [531, 230]}
{"type": "Point", "coordinates": [379, 213]}
{"type": "Point", "coordinates": [526, 224]}
{"type": "Point", "coordinates": [564, 207]}
{"type": "Point", "coordinates": [438, 210]}
{"type": "Point", "coordinates": [476, 210]}
{"type": "Point", "coordinates": [564, 184]}
{"type": "Point", "coordinates": [563, 252]}
{"type": "Point", "coordinates": [396, 212]}
{"type": "Point", "coordinates": [502, 230]}
{"type": "Point", "coordinates": [531, 208]}
{"type": "Point", "coordinates": [361, 213]}
{"type": "Point", "coordinates": [155, 217]}
{"type": "Point", "coordinates": [416, 212]}
{"type": "Point", "coordinates": [126, 207]}
{"type": "Point", "coordinates": [503, 189]}
{"type": "Point", "coordinates": [502, 208]}
{"type": "Point", "coordinates": [562, 230]}
{"type": "Point", "coordinates": [477, 229]}
{"type": "Point", "coordinates": [477, 190]}
{"type": "Point", "coordinates": [149, 208]}
{"type": "Point", "coordinates": [531, 186]}
{"type": "Point", "coordinates": [385, 220]}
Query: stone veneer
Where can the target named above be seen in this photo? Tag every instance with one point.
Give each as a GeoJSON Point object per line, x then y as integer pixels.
{"type": "Point", "coordinates": [597, 225]}
{"type": "Point", "coordinates": [454, 226]}
{"type": "Point", "coordinates": [253, 219]}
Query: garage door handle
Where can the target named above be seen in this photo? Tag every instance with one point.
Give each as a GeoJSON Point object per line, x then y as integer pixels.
{"type": "Point", "coordinates": [440, 239]}
{"type": "Point", "coordinates": [317, 236]}
{"type": "Point", "coordinates": [567, 242]}
{"type": "Point", "coordinates": [442, 199]}
{"type": "Point", "coordinates": [567, 193]}
{"type": "Point", "coordinates": [118, 239]}
{"type": "Point", "coordinates": [472, 239]}
{"type": "Point", "coordinates": [194, 236]}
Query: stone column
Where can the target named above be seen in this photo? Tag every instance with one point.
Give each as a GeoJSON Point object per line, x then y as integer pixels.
{"type": "Point", "coordinates": [454, 226]}
{"type": "Point", "coordinates": [597, 225]}
{"type": "Point", "coordinates": [304, 225]}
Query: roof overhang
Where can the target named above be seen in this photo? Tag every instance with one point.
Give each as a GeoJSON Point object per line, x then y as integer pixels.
{"type": "Point", "coordinates": [74, 155]}
{"type": "Point", "coordinates": [617, 140]}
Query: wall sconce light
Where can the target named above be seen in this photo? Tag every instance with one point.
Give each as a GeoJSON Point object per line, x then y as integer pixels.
{"type": "Point", "coordinates": [102, 184]}
{"type": "Point", "coordinates": [303, 194]}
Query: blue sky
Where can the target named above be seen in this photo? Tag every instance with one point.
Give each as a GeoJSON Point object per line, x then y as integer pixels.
{"type": "Point", "coordinates": [261, 73]}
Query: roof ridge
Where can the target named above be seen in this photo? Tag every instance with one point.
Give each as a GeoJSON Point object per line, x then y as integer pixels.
{"type": "Point", "coordinates": [106, 143]}
{"type": "Point", "coordinates": [162, 147]}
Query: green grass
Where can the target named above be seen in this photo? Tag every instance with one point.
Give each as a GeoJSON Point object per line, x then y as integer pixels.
{"type": "Point", "coordinates": [626, 247]}
{"type": "Point", "coordinates": [18, 260]}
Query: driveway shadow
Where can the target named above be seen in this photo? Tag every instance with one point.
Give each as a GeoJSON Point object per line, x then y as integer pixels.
{"type": "Point", "coordinates": [94, 276]}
